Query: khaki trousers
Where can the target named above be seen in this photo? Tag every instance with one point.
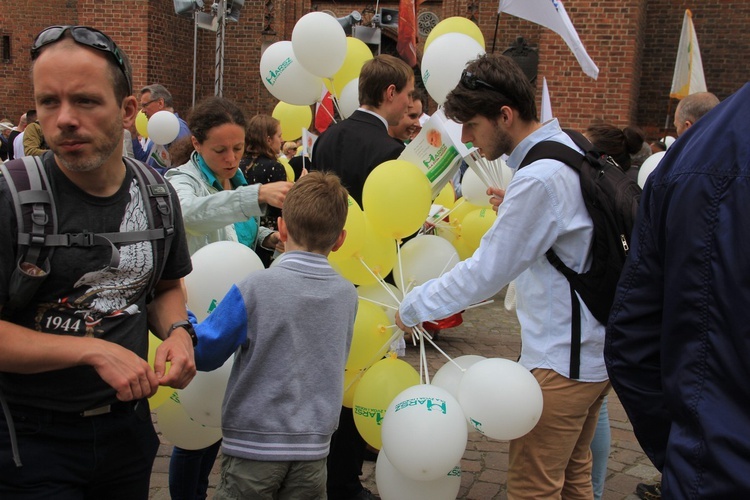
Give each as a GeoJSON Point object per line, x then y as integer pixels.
{"type": "Point", "coordinates": [553, 461]}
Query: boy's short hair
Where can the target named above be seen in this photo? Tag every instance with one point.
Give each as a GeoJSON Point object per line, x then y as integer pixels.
{"type": "Point", "coordinates": [494, 81]}
{"type": "Point", "coordinates": [315, 211]}
{"type": "Point", "coordinates": [378, 74]}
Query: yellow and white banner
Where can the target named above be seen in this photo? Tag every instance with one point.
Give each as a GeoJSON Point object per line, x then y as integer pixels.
{"type": "Point", "coordinates": [688, 70]}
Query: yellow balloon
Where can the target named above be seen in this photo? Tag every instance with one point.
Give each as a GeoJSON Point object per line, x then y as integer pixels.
{"type": "Point", "coordinates": [446, 197]}
{"type": "Point", "coordinates": [455, 25]}
{"type": "Point", "coordinates": [370, 339]}
{"type": "Point", "coordinates": [379, 254]}
{"type": "Point", "coordinates": [475, 224]}
{"type": "Point", "coordinates": [287, 167]}
{"type": "Point", "coordinates": [141, 124]}
{"type": "Point", "coordinates": [460, 209]}
{"type": "Point", "coordinates": [464, 252]}
{"type": "Point", "coordinates": [355, 233]}
{"type": "Point", "coordinates": [351, 382]}
{"type": "Point", "coordinates": [397, 198]}
{"type": "Point", "coordinates": [385, 380]}
{"type": "Point", "coordinates": [293, 119]}
{"type": "Point", "coordinates": [163, 393]}
{"type": "Point", "coordinates": [357, 54]}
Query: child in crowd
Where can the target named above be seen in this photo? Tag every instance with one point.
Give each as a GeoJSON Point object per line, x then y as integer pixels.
{"type": "Point", "coordinates": [290, 328]}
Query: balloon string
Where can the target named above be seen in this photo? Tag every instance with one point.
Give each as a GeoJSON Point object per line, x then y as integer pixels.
{"type": "Point", "coordinates": [429, 339]}
{"type": "Point", "coordinates": [381, 304]}
{"type": "Point", "coordinates": [335, 104]}
{"type": "Point", "coordinates": [355, 379]}
{"type": "Point", "coordinates": [401, 267]}
{"type": "Point", "coordinates": [380, 280]}
{"type": "Point", "coordinates": [372, 360]}
{"type": "Point", "coordinates": [446, 214]}
{"type": "Point", "coordinates": [442, 271]}
{"type": "Point", "coordinates": [387, 344]}
{"type": "Point", "coordinates": [483, 303]}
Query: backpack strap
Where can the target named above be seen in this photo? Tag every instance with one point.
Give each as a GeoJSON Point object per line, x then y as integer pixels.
{"type": "Point", "coordinates": [29, 188]}
{"type": "Point", "coordinates": [553, 150]}
{"type": "Point", "coordinates": [36, 217]}
{"type": "Point", "coordinates": [160, 213]}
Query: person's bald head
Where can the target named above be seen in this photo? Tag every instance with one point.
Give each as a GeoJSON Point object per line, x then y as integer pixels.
{"type": "Point", "coordinates": [691, 108]}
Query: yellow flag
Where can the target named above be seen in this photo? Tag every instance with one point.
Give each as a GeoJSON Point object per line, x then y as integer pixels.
{"type": "Point", "coordinates": [688, 70]}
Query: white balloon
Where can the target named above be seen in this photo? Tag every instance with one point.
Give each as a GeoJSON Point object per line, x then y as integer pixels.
{"type": "Point", "coordinates": [319, 44]}
{"type": "Point", "coordinates": [444, 60]}
{"type": "Point", "coordinates": [649, 166]}
{"type": "Point", "coordinates": [216, 267]}
{"type": "Point", "coordinates": [423, 258]}
{"type": "Point", "coordinates": [392, 485]}
{"type": "Point", "coordinates": [178, 428]}
{"type": "Point", "coordinates": [285, 78]}
{"type": "Point", "coordinates": [449, 375]}
{"type": "Point", "coordinates": [474, 190]}
{"type": "Point", "coordinates": [163, 127]}
{"type": "Point", "coordinates": [349, 100]}
{"type": "Point", "coordinates": [202, 398]}
{"type": "Point", "coordinates": [424, 432]}
{"type": "Point", "coordinates": [501, 398]}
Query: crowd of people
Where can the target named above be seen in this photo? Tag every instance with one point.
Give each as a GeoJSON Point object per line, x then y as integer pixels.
{"type": "Point", "coordinates": [78, 299]}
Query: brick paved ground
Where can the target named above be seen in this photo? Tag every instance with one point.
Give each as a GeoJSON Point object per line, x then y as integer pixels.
{"type": "Point", "coordinates": [489, 331]}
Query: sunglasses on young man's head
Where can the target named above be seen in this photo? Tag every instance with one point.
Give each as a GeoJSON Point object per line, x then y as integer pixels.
{"type": "Point", "coordinates": [472, 82]}
{"type": "Point", "coordinates": [83, 35]}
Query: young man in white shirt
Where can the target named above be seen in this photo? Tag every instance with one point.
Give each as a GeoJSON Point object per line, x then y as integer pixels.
{"type": "Point", "coordinates": [542, 208]}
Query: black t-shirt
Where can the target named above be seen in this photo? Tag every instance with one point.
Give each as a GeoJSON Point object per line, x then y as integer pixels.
{"type": "Point", "coordinates": [264, 170]}
{"type": "Point", "coordinates": [82, 295]}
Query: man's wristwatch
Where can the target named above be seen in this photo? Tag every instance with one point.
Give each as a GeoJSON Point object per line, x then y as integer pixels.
{"type": "Point", "coordinates": [188, 326]}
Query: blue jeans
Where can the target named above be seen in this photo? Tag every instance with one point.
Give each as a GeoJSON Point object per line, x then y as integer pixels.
{"type": "Point", "coordinates": [600, 451]}
{"type": "Point", "coordinates": [189, 471]}
{"type": "Point", "coordinates": [69, 457]}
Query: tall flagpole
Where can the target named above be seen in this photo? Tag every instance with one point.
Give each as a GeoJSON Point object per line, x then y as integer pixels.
{"type": "Point", "coordinates": [219, 81]}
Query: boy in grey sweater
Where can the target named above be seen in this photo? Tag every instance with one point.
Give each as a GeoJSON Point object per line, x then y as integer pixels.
{"type": "Point", "coordinates": [290, 328]}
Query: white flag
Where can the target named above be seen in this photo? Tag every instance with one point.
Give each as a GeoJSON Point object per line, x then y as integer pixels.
{"type": "Point", "coordinates": [551, 14]}
{"type": "Point", "coordinates": [688, 69]}
{"type": "Point", "coordinates": [546, 114]}
{"type": "Point", "coordinates": [308, 139]}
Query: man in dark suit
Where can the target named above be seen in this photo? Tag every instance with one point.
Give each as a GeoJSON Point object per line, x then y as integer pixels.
{"type": "Point", "coordinates": [352, 148]}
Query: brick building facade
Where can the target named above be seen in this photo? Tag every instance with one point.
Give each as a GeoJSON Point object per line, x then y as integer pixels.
{"type": "Point", "coordinates": [633, 43]}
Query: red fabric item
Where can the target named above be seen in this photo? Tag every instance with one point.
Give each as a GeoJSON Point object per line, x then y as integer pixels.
{"type": "Point", "coordinates": [407, 32]}
{"type": "Point", "coordinates": [324, 113]}
{"type": "Point", "coordinates": [445, 323]}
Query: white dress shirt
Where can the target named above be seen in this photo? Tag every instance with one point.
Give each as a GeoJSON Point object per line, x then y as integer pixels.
{"type": "Point", "coordinates": [543, 208]}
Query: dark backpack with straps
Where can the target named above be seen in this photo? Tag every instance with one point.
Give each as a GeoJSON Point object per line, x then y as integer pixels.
{"type": "Point", "coordinates": [611, 198]}
{"type": "Point", "coordinates": [36, 217]}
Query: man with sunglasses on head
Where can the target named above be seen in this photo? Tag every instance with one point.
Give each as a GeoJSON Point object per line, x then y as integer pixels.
{"type": "Point", "coordinates": [541, 209]}
{"type": "Point", "coordinates": [155, 98]}
{"type": "Point", "coordinates": [74, 379]}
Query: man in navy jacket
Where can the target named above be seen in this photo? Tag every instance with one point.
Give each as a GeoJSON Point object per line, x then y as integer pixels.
{"type": "Point", "coordinates": [678, 341]}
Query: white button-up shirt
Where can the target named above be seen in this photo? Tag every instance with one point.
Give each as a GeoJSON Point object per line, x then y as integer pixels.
{"type": "Point", "coordinates": [543, 208]}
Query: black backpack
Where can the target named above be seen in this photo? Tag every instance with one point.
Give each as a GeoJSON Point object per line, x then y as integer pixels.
{"type": "Point", "coordinates": [36, 218]}
{"type": "Point", "coordinates": [611, 198]}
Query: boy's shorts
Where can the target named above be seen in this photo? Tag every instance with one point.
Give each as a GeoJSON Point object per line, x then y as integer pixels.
{"type": "Point", "coordinates": [293, 480]}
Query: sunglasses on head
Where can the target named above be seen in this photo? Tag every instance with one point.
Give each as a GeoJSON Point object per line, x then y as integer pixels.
{"type": "Point", "coordinates": [471, 82]}
{"type": "Point", "coordinates": [83, 35]}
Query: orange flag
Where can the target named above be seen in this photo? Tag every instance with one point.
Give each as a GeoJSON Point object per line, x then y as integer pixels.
{"type": "Point", "coordinates": [407, 32]}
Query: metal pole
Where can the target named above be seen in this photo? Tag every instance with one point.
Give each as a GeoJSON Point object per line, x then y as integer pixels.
{"type": "Point", "coordinates": [219, 81]}
{"type": "Point", "coordinates": [494, 37]}
{"type": "Point", "coordinates": [195, 51]}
